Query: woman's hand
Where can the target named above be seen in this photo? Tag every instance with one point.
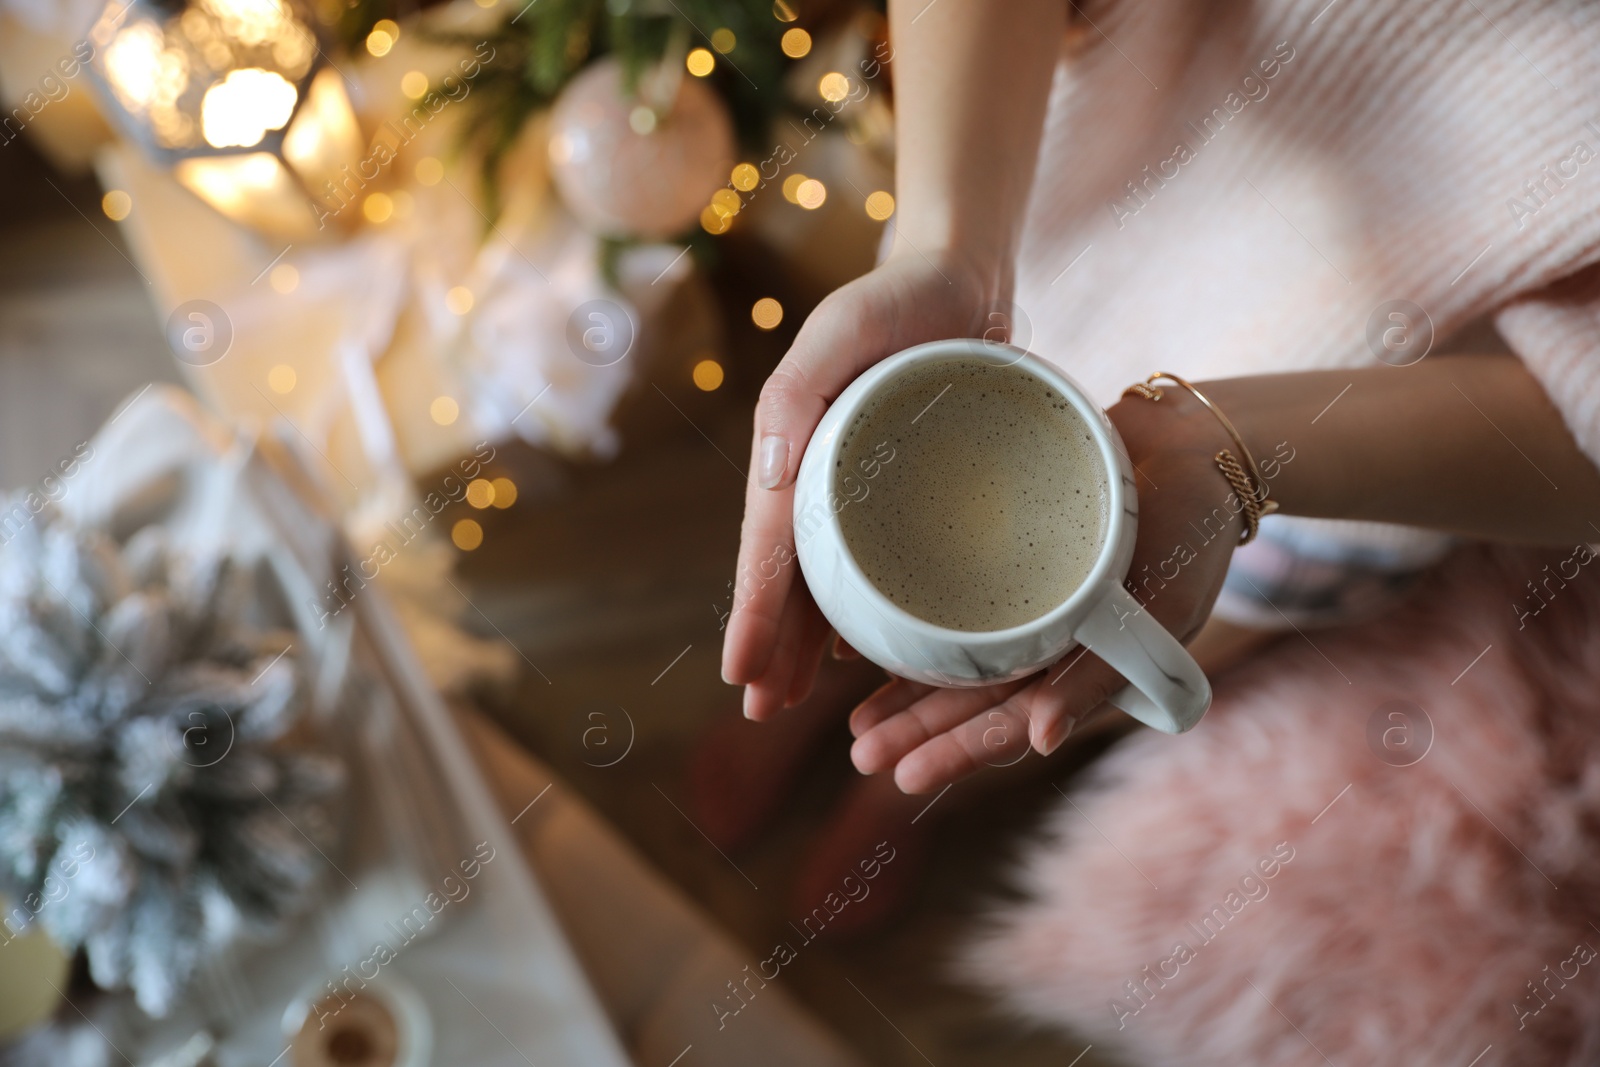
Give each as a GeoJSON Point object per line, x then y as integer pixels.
{"type": "Point", "coordinates": [931, 737]}
{"type": "Point", "coordinates": [776, 634]}
{"type": "Point", "coordinates": [958, 218]}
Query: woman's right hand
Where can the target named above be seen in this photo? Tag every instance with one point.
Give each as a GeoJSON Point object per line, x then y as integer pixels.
{"type": "Point", "coordinates": [775, 633]}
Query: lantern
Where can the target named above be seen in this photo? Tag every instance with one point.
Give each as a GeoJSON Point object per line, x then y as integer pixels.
{"type": "Point", "coordinates": [236, 97]}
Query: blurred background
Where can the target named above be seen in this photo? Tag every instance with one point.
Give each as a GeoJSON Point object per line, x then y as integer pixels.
{"type": "Point", "coordinates": [534, 262]}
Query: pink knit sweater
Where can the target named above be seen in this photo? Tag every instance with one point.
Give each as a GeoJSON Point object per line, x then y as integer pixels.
{"type": "Point", "coordinates": [1235, 187]}
{"type": "Point", "coordinates": [1445, 152]}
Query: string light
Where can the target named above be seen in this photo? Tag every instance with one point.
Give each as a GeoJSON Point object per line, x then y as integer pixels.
{"type": "Point", "coordinates": [480, 493]}
{"type": "Point", "coordinates": [281, 379]}
{"type": "Point", "coordinates": [285, 278]}
{"type": "Point", "coordinates": [783, 12]}
{"type": "Point", "coordinates": [880, 205]}
{"type": "Point", "coordinates": [700, 62]}
{"type": "Point", "coordinates": [767, 313]}
{"type": "Point", "coordinates": [810, 194]}
{"type": "Point", "coordinates": [429, 171]}
{"type": "Point", "coordinates": [833, 86]}
{"type": "Point", "coordinates": [642, 119]}
{"type": "Point", "coordinates": [707, 375]}
{"type": "Point", "coordinates": [116, 204]}
{"type": "Point", "coordinates": [459, 300]}
{"type": "Point", "coordinates": [377, 207]}
{"type": "Point", "coordinates": [745, 177]}
{"type": "Point", "coordinates": [383, 36]}
{"type": "Point", "coordinates": [791, 187]}
{"type": "Point", "coordinates": [466, 534]}
{"type": "Point", "coordinates": [505, 493]}
{"type": "Point", "coordinates": [414, 84]}
{"type": "Point", "coordinates": [713, 221]}
{"type": "Point", "coordinates": [444, 410]}
{"type": "Point", "coordinates": [723, 40]}
{"type": "Point", "coordinates": [796, 42]}
{"type": "Point", "coordinates": [727, 202]}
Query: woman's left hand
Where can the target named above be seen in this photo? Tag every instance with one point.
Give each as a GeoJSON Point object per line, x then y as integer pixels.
{"type": "Point", "coordinates": [932, 737]}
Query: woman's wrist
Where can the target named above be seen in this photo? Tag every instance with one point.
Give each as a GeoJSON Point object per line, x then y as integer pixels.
{"type": "Point", "coordinates": [1178, 437]}
{"type": "Point", "coordinates": [1178, 422]}
{"type": "Point", "coordinates": [1277, 417]}
{"type": "Point", "coordinates": [982, 271]}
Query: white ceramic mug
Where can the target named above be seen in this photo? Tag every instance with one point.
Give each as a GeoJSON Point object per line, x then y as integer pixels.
{"type": "Point", "coordinates": [1166, 690]}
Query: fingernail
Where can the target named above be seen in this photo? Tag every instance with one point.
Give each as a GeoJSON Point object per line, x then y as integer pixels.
{"type": "Point", "coordinates": [1055, 736]}
{"type": "Point", "coordinates": [774, 458]}
{"type": "Point", "coordinates": [749, 699]}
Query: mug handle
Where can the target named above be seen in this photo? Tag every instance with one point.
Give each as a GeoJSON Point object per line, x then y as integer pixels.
{"type": "Point", "coordinates": [1167, 689]}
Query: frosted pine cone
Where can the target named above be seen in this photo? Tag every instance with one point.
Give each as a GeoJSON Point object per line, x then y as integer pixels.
{"type": "Point", "coordinates": [155, 801]}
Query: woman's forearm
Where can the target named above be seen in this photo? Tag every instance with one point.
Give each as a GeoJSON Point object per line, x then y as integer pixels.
{"type": "Point", "coordinates": [972, 83]}
{"type": "Point", "coordinates": [1469, 444]}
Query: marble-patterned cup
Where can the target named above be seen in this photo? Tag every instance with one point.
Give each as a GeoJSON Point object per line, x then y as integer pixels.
{"type": "Point", "coordinates": [1166, 690]}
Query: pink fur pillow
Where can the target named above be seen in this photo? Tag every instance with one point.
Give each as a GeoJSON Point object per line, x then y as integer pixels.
{"type": "Point", "coordinates": [1309, 878]}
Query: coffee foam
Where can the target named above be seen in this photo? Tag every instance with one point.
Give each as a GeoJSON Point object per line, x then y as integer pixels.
{"type": "Point", "coordinates": [992, 510]}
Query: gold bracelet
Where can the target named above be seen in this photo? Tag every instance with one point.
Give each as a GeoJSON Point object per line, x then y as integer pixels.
{"type": "Point", "coordinates": [1246, 479]}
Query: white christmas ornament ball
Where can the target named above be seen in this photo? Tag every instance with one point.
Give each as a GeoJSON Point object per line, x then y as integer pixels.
{"type": "Point", "coordinates": [627, 171]}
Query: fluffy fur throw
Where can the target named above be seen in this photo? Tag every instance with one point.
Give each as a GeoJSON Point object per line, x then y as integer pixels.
{"type": "Point", "coordinates": [1292, 884]}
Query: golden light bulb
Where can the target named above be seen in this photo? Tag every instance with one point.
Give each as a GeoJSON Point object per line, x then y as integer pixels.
{"type": "Point", "coordinates": [767, 313]}
{"type": "Point", "coordinates": [833, 86]}
{"type": "Point", "coordinates": [810, 194]}
{"type": "Point", "coordinates": [745, 177]}
{"type": "Point", "coordinates": [714, 221]}
{"type": "Point", "coordinates": [285, 278]}
{"type": "Point", "coordinates": [116, 204]}
{"type": "Point", "coordinates": [880, 205]}
{"type": "Point", "coordinates": [282, 378]}
{"type": "Point", "coordinates": [377, 207]}
{"type": "Point", "coordinates": [444, 410]}
{"type": "Point", "coordinates": [429, 171]}
{"type": "Point", "coordinates": [459, 300]}
{"type": "Point", "coordinates": [723, 40]}
{"type": "Point", "coordinates": [700, 62]}
{"type": "Point", "coordinates": [727, 202]}
{"type": "Point", "coordinates": [707, 375]}
{"type": "Point", "coordinates": [642, 119]}
{"type": "Point", "coordinates": [480, 493]}
{"type": "Point", "coordinates": [505, 493]}
{"type": "Point", "coordinates": [466, 534]}
{"type": "Point", "coordinates": [796, 42]}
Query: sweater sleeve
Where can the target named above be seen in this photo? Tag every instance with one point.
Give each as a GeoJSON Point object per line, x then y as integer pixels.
{"type": "Point", "coordinates": [1556, 331]}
